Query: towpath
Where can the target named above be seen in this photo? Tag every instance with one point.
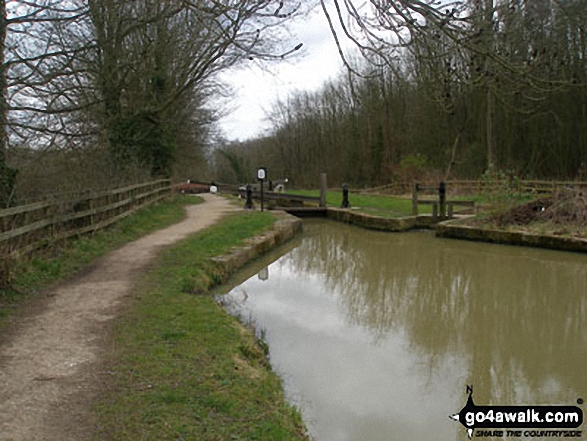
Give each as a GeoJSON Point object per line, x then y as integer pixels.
{"type": "Point", "coordinates": [51, 360]}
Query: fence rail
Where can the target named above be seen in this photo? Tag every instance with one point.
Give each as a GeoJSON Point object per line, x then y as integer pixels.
{"type": "Point", "coordinates": [478, 186]}
{"type": "Point", "coordinates": [238, 190]}
{"type": "Point", "coordinates": [272, 196]}
{"type": "Point", "coordinates": [28, 227]}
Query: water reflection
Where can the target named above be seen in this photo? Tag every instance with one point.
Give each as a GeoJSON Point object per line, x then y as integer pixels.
{"type": "Point", "coordinates": [377, 334]}
{"type": "Point", "coordinates": [264, 274]}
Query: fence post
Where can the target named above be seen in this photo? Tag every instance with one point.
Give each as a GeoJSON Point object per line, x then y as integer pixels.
{"type": "Point", "coordinates": [5, 266]}
{"type": "Point", "coordinates": [442, 199]}
{"type": "Point", "coordinates": [415, 199]}
{"type": "Point", "coordinates": [322, 189]}
{"type": "Point", "coordinates": [91, 208]}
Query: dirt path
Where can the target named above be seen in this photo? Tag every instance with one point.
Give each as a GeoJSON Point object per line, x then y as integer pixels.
{"type": "Point", "coordinates": [50, 363]}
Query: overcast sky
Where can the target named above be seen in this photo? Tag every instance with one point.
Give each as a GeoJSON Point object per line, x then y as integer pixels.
{"type": "Point", "coordinates": [255, 89]}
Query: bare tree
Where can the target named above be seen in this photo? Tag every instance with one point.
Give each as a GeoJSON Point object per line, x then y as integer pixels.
{"type": "Point", "coordinates": [150, 56]}
{"type": "Point", "coordinates": [136, 77]}
{"type": "Point", "coordinates": [509, 51]}
{"type": "Point", "coordinates": [23, 61]}
{"type": "Point", "coordinates": [7, 175]}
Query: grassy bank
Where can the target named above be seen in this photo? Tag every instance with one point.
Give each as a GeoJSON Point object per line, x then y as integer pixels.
{"type": "Point", "coordinates": [61, 260]}
{"type": "Point", "coordinates": [385, 206]}
{"type": "Point", "coordinates": [182, 367]}
{"type": "Point", "coordinates": [563, 214]}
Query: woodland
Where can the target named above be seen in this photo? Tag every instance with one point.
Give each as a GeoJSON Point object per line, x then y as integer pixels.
{"type": "Point", "coordinates": [438, 90]}
{"type": "Point", "coordinates": [99, 93]}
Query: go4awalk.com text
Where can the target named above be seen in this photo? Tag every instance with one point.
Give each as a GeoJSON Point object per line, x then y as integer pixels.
{"type": "Point", "coordinates": [520, 421]}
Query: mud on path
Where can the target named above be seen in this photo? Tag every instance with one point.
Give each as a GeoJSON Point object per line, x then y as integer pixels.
{"type": "Point", "coordinates": [50, 363]}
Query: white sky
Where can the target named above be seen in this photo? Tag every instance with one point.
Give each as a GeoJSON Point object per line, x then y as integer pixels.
{"type": "Point", "coordinates": [256, 89]}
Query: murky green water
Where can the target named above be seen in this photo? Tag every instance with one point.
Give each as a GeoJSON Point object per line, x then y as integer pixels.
{"type": "Point", "coordinates": [377, 335]}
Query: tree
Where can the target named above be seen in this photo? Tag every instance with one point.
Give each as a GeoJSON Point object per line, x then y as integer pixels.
{"type": "Point", "coordinates": [151, 55]}
{"type": "Point", "coordinates": [136, 77]}
{"type": "Point", "coordinates": [508, 52]}
{"type": "Point", "coordinates": [25, 71]}
{"type": "Point", "coordinates": [7, 174]}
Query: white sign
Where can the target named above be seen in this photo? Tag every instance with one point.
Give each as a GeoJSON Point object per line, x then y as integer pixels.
{"type": "Point", "coordinates": [261, 174]}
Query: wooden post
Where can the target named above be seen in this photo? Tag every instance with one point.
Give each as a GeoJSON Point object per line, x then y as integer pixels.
{"type": "Point", "coordinates": [91, 208]}
{"type": "Point", "coordinates": [434, 210]}
{"type": "Point", "coordinates": [322, 189]}
{"type": "Point", "coordinates": [415, 199]}
{"type": "Point", "coordinates": [450, 210]}
{"type": "Point", "coordinates": [442, 199]}
{"type": "Point", "coordinates": [5, 267]}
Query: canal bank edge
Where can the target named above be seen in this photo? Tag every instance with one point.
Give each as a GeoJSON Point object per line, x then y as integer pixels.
{"type": "Point", "coordinates": [285, 227]}
{"type": "Point", "coordinates": [451, 229]}
{"type": "Point", "coordinates": [380, 223]}
{"type": "Point", "coordinates": [205, 376]}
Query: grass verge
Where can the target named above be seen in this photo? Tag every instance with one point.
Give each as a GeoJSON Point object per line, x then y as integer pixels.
{"type": "Point", "coordinates": [385, 206]}
{"type": "Point", "coordinates": [65, 258]}
{"type": "Point", "coordinates": [183, 368]}
{"type": "Point", "coordinates": [564, 214]}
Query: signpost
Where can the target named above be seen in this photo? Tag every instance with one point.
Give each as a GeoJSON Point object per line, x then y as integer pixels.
{"type": "Point", "coordinates": [261, 176]}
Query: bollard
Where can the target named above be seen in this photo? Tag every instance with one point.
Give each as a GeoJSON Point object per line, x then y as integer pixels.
{"type": "Point", "coordinates": [249, 202]}
{"type": "Point", "coordinates": [345, 196]}
{"type": "Point", "coordinates": [442, 199]}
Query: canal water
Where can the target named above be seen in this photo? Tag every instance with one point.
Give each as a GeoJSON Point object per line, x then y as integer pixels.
{"type": "Point", "coordinates": [377, 335]}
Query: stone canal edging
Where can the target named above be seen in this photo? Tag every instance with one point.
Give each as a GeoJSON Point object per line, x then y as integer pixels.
{"type": "Point", "coordinates": [451, 229]}
{"type": "Point", "coordinates": [379, 223]}
{"type": "Point", "coordinates": [285, 227]}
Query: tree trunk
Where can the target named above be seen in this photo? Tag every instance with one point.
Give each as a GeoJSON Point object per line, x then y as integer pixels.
{"type": "Point", "coordinates": [3, 84]}
{"type": "Point", "coordinates": [489, 130]}
{"type": "Point", "coordinates": [7, 174]}
{"type": "Point", "coordinates": [452, 156]}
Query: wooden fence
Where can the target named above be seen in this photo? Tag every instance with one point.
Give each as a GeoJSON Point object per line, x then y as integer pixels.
{"type": "Point", "coordinates": [478, 186]}
{"type": "Point", "coordinates": [28, 227]}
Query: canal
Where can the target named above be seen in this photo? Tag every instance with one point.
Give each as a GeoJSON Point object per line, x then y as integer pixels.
{"type": "Point", "coordinates": [376, 335]}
